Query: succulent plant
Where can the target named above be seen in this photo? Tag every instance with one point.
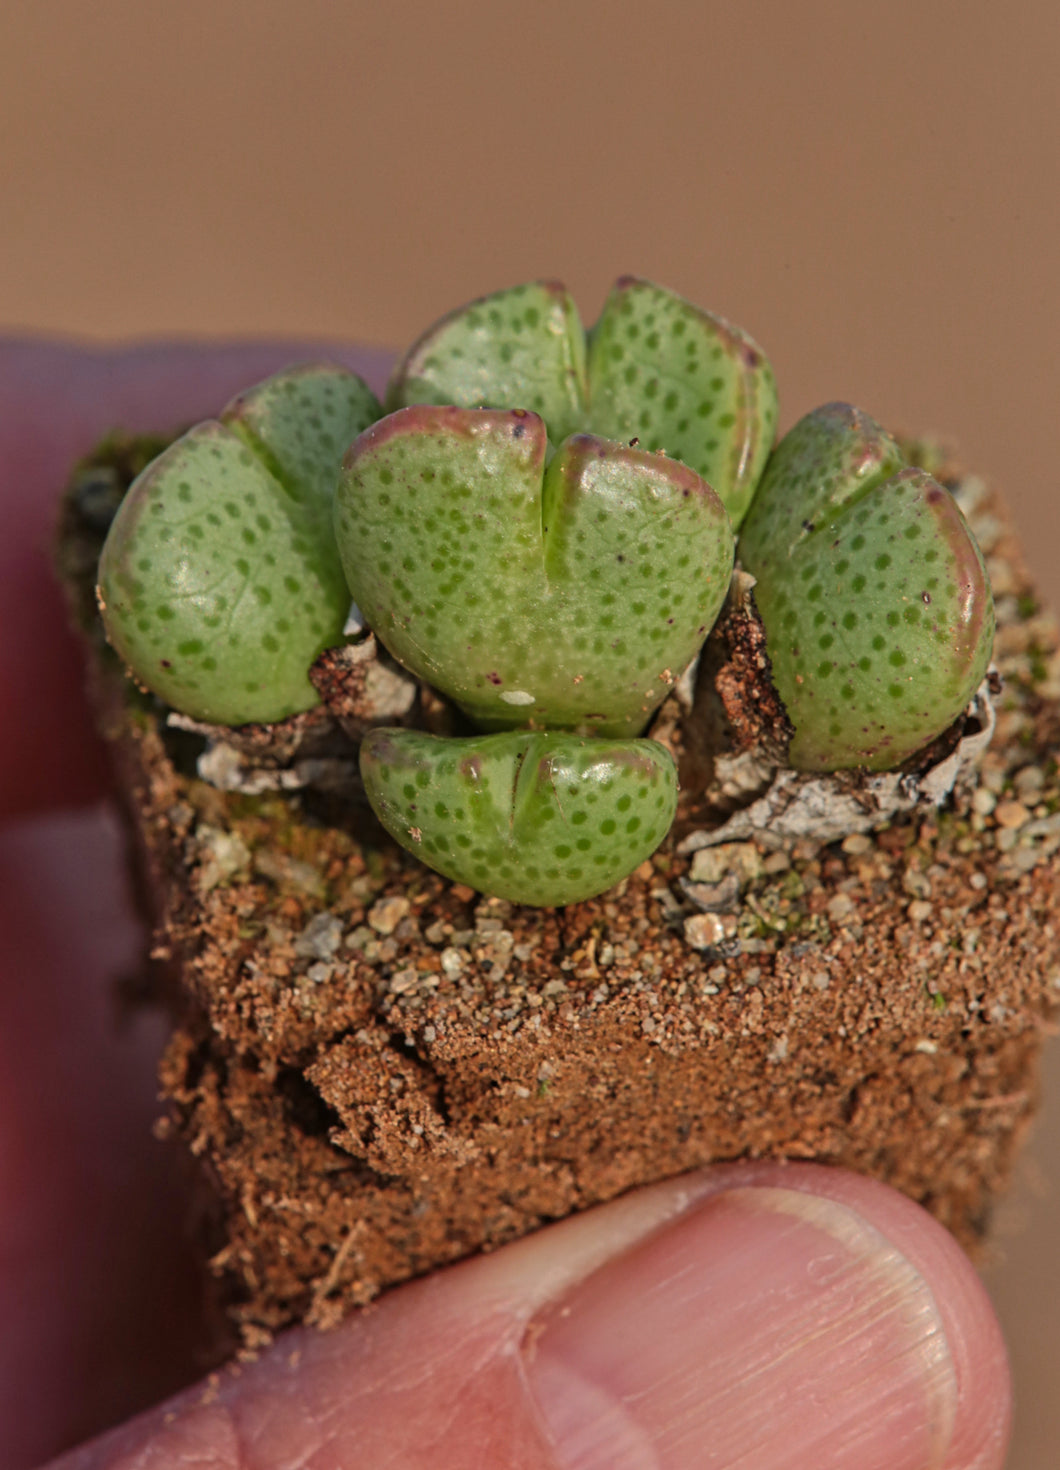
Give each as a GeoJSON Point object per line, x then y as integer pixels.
{"type": "Point", "coordinates": [876, 603]}
{"type": "Point", "coordinates": [541, 528]}
{"type": "Point", "coordinates": [542, 818]}
{"type": "Point", "coordinates": [566, 593]}
{"type": "Point", "coordinates": [220, 581]}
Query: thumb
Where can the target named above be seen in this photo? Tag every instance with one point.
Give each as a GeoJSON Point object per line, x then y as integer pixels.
{"type": "Point", "coordinates": [752, 1315]}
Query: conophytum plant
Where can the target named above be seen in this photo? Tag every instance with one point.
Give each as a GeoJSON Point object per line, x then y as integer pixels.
{"type": "Point", "coordinates": [873, 592]}
{"type": "Point", "coordinates": [220, 580]}
{"type": "Point", "coordinates": [542, 526]}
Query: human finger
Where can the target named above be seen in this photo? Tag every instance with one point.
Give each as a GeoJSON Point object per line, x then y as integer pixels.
{"type": "Point", "coordinates": [780, 1317]}
{"type": "Point", "coordinates": [99, 1290]}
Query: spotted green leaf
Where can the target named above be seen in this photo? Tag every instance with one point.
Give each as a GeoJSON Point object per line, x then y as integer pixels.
{"type": "Point", "coordinates": [520, 348]}
{"type": "Point", "coordinates": [562, 593]}
{"type": "Point", "coordinates": [682, 380]}
{"type": "Point", "coordinates": [833, 455]}
{"type": "Point", "coordinates": [876, 603]}
{"type": "Point", "coordinates": [543, 819]}
{"type": "Point", "coordinates": [220, 582]}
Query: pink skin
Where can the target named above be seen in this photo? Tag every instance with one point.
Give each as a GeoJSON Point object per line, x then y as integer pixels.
{"type": "Point", "coordinates": [754, 1315]}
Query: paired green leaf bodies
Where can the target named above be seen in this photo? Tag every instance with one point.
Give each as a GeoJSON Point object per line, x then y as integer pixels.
{"type": "Point", "coordinates": [564, 593]}
{"type": "Point", "coordinates": [873, 592]}
{"type": "Point", "coordinates": [655, 368]}
{"type": "Point", "coordinates": [541, 818]}
{"type": "Point", "coordinates": [220, 582]}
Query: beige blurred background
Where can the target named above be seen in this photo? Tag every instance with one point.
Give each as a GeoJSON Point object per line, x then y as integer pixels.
{"type": "Point", "coordinates": [870, 189]}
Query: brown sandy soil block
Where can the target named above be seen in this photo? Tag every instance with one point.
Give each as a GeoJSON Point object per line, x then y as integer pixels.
{"type": "Point", "coordinates": [381, 1071]}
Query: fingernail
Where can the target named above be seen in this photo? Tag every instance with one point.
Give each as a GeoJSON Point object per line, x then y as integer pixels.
{"type": "Point", "coordinates": [765, 1327]}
